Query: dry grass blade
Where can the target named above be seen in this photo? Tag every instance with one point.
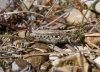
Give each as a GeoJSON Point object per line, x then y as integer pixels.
{"type": "Point", "coordinates": [92, 35]}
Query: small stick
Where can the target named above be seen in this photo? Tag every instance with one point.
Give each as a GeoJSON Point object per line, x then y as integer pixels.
{"type": "Point", "coordinates": [81, 60]}
{"type": "Point", "coordinates": [56, 48]}
{"type": "Point", "coordinates": [3, 10]}
{"type": "Point", "coordinates": [4, 42]}
{"type": "Point", "coordinates": [70, 47]}
{"type": "Point", "coordinates": [48, 11]}
{"type": "Point", "coordinates": [24, 5]}
{"type": "Point", "coordinates": [59, 17]}
{"type": "Point", "coordinates": [93, 35]}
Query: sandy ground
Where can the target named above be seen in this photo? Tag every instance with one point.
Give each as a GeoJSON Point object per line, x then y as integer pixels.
{"type": "Point", "coordinates": [3, 3]}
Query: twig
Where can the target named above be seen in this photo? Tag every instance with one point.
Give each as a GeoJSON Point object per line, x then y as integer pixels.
{"type": "Point", "coordinates": [20, 12]}
{"type": "Point", "coordinates": [70, 47]}
{"type": "Point", "coordinates": [93, 27]}
{"type": "Point", "coordinates": [59, 17]}
{"type": "Point", "coordinates": [48, 11]}
{"type": "Point", "coordinates": [24, 5]}
{"type": "Point", "coordinates": [3, 10]}
{"type": "Point", "coordinates": [81, 60]}
{"type": "Point", "coordinates": [59, 50]}
{"type": "Point", "coordinates": [41, 54]}
{"type": "Point", "coordinates": [92, 35]}
{"type": "Point", "coordinates": [4, 42]}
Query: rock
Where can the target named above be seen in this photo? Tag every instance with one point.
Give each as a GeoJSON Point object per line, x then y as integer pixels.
{"type": "Point", "coordinates": [75, 17]}
{"type": "Point", "coordinates": [92, 41]}
{"type": "Point", "coordinates": [97, 60]}
{"type": "Point", "coordinates": [1, 69]}
{"type": "Point", "coordinates": [95, 6]}
{"type": "Point", "coordinates": [45, 66]}
{"type": "Point", "coordinates": [20, 65]}
{"type": "Point", "coordinates": [36, 61]}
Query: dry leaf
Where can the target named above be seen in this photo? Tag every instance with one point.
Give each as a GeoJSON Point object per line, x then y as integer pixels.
{"type": "Point", "coordinates": [68, 68]}
{"type": "Point", "coordinates": [92, 40]}
{"type": "Point", "coordinates": [61, 61]}
{"type": "Point", "coordinates": [17, 43]}
{"type": "Point", "coordinates": [22, 34]}
{"type": "Point", "coordinates": [35, 61]}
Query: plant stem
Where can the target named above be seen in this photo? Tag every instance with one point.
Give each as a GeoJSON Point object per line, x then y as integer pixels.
{"type": "Point", "coordinates": [81, 24]}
